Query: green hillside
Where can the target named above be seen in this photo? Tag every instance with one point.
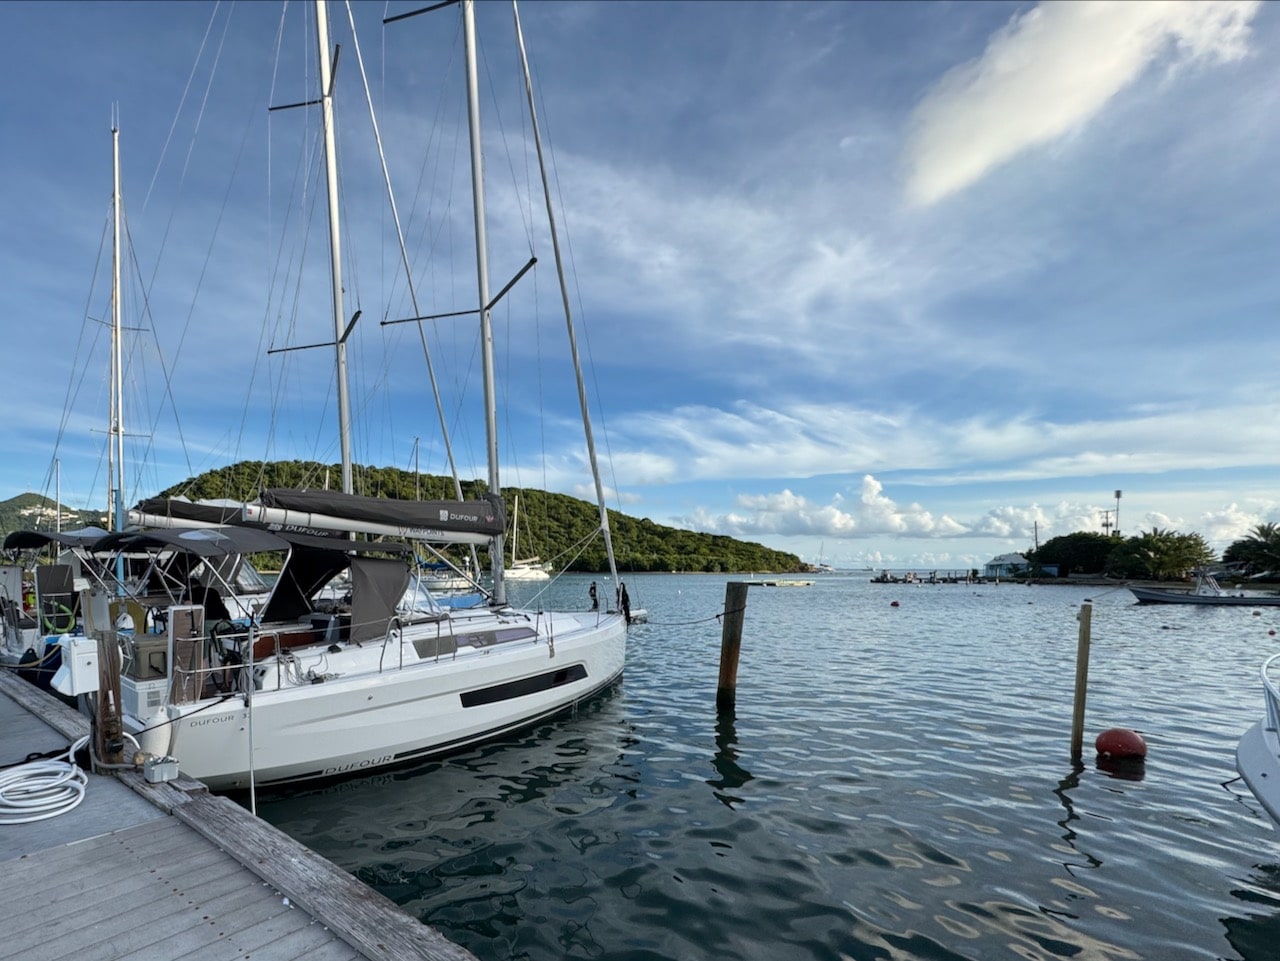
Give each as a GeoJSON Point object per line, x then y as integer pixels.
{"type": "Point", "coordinates": [35, 512]}
{"type": "Point", "coordinates": [555, 527]}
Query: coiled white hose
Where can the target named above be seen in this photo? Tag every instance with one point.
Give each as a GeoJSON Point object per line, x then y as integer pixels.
{"type": "Point", "coordinates": [42, 789]}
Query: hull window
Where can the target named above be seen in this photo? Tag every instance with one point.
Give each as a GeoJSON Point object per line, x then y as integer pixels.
{"type": "Point", "coordinates": [530, 685]}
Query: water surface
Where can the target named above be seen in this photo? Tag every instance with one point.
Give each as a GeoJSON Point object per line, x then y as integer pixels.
{"type": "Point", "coordinates": [895, 783]}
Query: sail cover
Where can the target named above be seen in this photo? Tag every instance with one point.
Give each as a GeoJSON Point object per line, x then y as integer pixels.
{"type": "Point", "coordinates": [486, 516]}
{"type": "Point", "coordinates": [181, 509]}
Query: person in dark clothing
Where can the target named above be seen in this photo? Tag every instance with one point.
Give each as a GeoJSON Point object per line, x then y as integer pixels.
{"type": "Point", "coordinates": [595, 600]}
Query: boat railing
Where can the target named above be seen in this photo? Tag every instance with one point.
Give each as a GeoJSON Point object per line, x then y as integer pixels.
{"type": "Point", "coordinates": [1272, 693]}
{"type": "Point", "coordinates": [215, 661]}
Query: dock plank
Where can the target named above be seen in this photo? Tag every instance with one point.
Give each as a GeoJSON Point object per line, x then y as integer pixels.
{"type": "Point", "coordinates": [218, 919]}
{"type": "Point", "coordinates": [168, 871]}
{"type": "Point", "coordinates": [287, 934]}
{"type": "Point", "coordinates": [366, 919]}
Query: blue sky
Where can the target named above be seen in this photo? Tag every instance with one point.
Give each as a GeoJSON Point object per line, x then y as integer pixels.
{"type": "Point", "coordinates": [899, 284]}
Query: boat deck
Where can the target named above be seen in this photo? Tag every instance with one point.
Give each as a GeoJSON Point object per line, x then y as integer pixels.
{"type": "Point", "coordinates": [167, 871]}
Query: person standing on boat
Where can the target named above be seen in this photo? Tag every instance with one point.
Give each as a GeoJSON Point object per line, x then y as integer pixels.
{"type": "Point", "coordinates": [595, 600]}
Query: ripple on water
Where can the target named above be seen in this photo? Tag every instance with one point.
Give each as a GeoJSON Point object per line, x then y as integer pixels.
{"type": "Point", "coordinates": [894, 784]}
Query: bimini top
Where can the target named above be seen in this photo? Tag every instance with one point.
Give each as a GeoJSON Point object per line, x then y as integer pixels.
{"type": "Point", "coordinates": [201, 541]}
{"type": "Point", "coordinates": [32, 540]}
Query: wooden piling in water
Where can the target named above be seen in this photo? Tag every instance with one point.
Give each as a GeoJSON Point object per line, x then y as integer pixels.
{"type": "Point", "coordinates": [1085, 617]}
{"type": "Point", "coordinates": [735, 610]}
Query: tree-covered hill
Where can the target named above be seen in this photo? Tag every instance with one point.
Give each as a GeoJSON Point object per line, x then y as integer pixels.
{"type": "Point", "coordinates": [555, 527]}
{"type": "Point", "coordinates": [35, 512]}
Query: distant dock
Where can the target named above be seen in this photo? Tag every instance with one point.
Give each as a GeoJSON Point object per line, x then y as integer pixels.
{"type": "Point", "coordinates": [169, 870]}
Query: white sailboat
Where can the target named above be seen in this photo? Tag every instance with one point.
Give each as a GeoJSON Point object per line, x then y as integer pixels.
{"type": "Point", "coordinates": [320, 685]}
{"type": "Point", "coordinates": [528, 568]}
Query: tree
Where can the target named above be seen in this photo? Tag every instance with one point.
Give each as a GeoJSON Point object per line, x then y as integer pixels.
{"type": "Point", "coordinates": [1084, 552]}
{"type": "Point", "coordinates": [1159, 555]}
{"type": "Point", "coordinates": [1259, 552]}
{"type": "Point", "coordinates": [563, 530]}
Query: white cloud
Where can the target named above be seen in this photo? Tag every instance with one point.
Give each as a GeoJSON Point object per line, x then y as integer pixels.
{"type": "Point", "coordinates": [800, 441]}
{"type": "Point", "coordinates": [1048, 72]}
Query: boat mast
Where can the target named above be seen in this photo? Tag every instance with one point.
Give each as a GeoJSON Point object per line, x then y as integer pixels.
{"type": "Point", "coordinates": [568, 314]}
{"type": "Point", "coordinates": [335, 249]}
{"type": "Point", "coordinates": [482, 280]}
{"type": "Point", "coordinates": [115, 439]}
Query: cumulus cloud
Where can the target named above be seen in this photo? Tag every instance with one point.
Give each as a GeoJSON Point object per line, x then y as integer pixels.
{"type": "Point", "coordinates": [1048, 72]}
{"type": "Point", "coordinates": [1231, 523]}
{"type": "Point", "coordinates": [786, 513]}
{"type": "Point", "coordinates": [856, 526]}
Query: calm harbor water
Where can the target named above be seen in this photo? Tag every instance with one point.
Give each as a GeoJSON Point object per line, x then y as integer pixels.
{"type": "Point", "coordinates": [894, 784]}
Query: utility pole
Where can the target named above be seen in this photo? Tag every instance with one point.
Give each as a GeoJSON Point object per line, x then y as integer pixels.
{"type": "Point", "coordinates": [1118, 493]}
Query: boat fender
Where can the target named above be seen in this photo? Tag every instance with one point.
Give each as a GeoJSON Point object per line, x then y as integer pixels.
{"type": "Point", "coordinates": [155, 737]}
{"type": "Point", "coordinates": [1117, 742]}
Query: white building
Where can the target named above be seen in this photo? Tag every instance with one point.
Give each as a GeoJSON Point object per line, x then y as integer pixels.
{"type": "Point", "coordinates": [1006, 565]}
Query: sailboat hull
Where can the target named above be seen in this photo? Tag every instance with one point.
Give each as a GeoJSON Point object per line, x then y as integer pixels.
{"type": "Point", "coordinates": [297, 729]}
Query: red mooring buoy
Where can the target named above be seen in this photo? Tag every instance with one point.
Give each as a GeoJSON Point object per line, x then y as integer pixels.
{"type": "Point", "coordinates": [893, 603]}
{"type": "Point", "coordinates": [1118, 742]}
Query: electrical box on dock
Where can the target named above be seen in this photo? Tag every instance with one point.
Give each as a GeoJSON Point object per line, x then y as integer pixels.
{"type": "Point", "coordinates": [158, 769]}
{"type": "Point", "coordinates": [79, 671]}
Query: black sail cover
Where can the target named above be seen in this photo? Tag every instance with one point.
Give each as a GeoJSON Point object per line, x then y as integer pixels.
{"type": "Point", "coordinates": [180, 509]}
{"type": "Point", "coordinates": [486, 516]}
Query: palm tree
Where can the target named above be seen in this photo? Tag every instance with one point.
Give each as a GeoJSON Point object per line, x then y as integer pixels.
{"type": "Point", "coordinates": [1259, 552]}
{"type": "Point", "coordinates": [1160, 554]}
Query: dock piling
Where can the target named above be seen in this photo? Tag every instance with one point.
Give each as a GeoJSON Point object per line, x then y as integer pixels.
{"type": "Point", "coordinates": [1085, 617]}
{"type": "Point", "coordinates": [735, 610]}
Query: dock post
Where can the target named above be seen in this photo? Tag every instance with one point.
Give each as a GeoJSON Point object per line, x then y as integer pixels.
{"type": "Point", "coordinates": [735, 610]}
{"type": "Point", "coordinates": [1085, 618]}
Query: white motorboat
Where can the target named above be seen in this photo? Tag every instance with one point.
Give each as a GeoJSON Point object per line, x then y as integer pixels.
{"type": "Point", "coordinates": [1258, 754]}
{"type": "Point", "coordinates": [1207, 591]}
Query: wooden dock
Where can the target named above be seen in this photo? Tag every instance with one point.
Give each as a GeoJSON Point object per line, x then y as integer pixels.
{"type": "Point", "coordinates": [150, 872]}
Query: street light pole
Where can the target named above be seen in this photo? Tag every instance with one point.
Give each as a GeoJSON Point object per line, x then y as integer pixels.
{"type": "Point", "coordinates": [1118, 513]}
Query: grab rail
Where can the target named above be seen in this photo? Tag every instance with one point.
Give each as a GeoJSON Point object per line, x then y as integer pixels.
{"type": "Point", "coordinates": [1272, 694]}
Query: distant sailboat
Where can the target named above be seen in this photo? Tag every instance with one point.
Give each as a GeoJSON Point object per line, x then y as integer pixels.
{"type": "Point", "coordinates": [528, 568]}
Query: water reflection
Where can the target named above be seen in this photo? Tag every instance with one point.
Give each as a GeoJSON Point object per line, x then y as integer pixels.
{"type": "Point", "coordinates": [731, 774]}
{"type": "Point", "coordinates": [1257, 935]}
{"type": "Point", "coordinates": [1123, 768]}
{"type": "Point", "coordinates": [1067, 784]}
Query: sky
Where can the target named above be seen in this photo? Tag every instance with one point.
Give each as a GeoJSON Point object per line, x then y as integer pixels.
{"type": "Point", "coordinates": [903, 285]}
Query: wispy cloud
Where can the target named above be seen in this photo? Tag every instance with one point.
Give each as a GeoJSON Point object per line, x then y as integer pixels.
{"type": "Point", "coordinates": [1048, 72]}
